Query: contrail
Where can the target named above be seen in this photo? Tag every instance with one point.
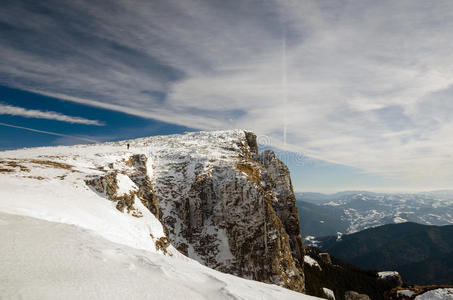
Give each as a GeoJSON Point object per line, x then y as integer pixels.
{"type": "Point", "coordinates": [49, 132]}
{"type": "Point", "coordinates": [284, 83]}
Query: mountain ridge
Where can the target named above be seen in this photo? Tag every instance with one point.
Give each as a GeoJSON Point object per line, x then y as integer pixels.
{"type": "Point", "coordinates": [208, 195]}
{"type": "Point", "coordinates": [361, 210]}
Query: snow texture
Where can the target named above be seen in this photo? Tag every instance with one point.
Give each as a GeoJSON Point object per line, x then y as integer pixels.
{"type": "Point", "coordinates": [329, 293]}
{"type": "Point", "coordinates": [406, 293]}
{"type": "Point", "coordinates": [47, 260]}
{"type": "Point", "coordinates": [438, 294]}
{"type": "Point", "coordinates": [310, 261]}
{"type": "Point", "coordinates": [386, 274]}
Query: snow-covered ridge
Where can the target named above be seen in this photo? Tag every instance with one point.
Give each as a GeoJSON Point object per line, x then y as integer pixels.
{"type": "Point", "coordinates": [217, 200]}
{"type": "Point", "coordinates": [49, 182]}
{"type": "Point", "coordinates": [47, 260]}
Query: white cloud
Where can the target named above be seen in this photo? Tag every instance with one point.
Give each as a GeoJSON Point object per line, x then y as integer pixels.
{"type": "Point", "coordinates": [38, 114]}
{"type": "Point", "coordinates": [366, 80]}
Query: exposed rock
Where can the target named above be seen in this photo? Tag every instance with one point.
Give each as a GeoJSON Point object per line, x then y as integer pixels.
{"type": "Point", "coordinates": [328, 293]}
{"type": "Point", "coordinates": [392, 277]}
{"type": "Point", "coordinates": [108, 184]}
{"type": "Point", "coordinates": [284, 202]}
{"type": "Point", "coordinates": [251, 142]}
{"type": "Point", "coordinates": [145, 188]}
{"type": "Point", "coordinates": [221, 203]}
{"type": "Point", "coordinates": [421, 292]}
{"type": "Point", "coordinates": [105, 184]}
{"type": "Point", "coordinates": [325, 257]}
{"type": "Point", "coordinates": [228, 211]}
{"type": "Point", "coordinates": [351, 295]}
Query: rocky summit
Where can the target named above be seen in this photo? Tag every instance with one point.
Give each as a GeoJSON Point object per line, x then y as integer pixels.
{"type": "Point", "coordinates": [208, 195]}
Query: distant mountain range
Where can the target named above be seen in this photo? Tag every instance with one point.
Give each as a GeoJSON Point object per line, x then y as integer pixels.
{"type": "Point", "coordinates": [349, 212]}
{"type": "Point", "coordinates": [422, 254]}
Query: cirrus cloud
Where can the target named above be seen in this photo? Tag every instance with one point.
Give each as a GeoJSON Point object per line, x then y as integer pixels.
{"type": "Point", "coordinates": [362, 83]}
{"type": "Point", "coordinates": [49, 115]}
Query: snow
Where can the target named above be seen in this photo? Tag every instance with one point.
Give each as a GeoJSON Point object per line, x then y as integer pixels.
{"type": "Point", "coordinates": [73, 203]}
{"type": "Point", "coordinates": [329, 293]}
{"type": "Point", "coordinates": [310, 240]}
{"type": "Point", "coordinates": [399, 220]}
{"type": "Point", "coordinates": [310, 261]}
{"type": "Point", "coordinates": [407, 293]}
{"type": "Point", "coordinates": [125, 184]}
{"type": "Point", "coordinates": [438, 294]}
{"type": "Point", "coordinates": [47, 260]}
{"type": "Point", "coordinates": [386, 274]}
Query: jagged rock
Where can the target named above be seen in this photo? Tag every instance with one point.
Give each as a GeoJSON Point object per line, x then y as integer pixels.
{"type": "Point", "coordinates": [351, 295]}
{"type": "Point", "coordinates": [284, 202]}
{"type": "Point", "coordinates": [108, 184]}
{"type": "Point", "coordinates": [221, 203]}
{"type": "Point", "coordinates": [228, 211]}
{"type": "Point", "coordinates": [141, 179]}
{"type": "Point", "coordinates": [392, 277]}
{"type": "Point", "coordinates": [251, 142]}
{"type": "Point", "coordinates": [328, 293]}
{"type": "Point", "coordinates": [325, 257]}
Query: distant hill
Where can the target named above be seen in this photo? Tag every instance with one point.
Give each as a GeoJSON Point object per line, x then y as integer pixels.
{"type": "Point", "coordinates": [434, 270]}
{"type": "Point", "coordinates": [422, 254]}
{"type": "Point", "coordinates": [316, 220]}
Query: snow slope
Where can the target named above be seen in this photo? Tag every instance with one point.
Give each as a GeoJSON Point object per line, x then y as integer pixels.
{"type": "Point", "coordinates": [49, 182]}
{"type": "Point", "coordinates": [47, 260]}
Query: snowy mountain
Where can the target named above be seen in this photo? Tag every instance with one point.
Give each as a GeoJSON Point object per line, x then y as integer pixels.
{"type": "Point", "coordinates": [130, 214]}
{"type": "Point", "coordinates": [350, 212]}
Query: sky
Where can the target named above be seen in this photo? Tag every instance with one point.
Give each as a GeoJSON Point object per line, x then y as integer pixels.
{"type": "Point", "coordinates": [351, 94]}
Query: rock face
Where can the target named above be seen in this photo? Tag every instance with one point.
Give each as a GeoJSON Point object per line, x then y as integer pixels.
{"type": "Point", "coordinates": [393, 278]}
{"type": "Point", "coordinates": [135, 176]}
{"type": "Point", "coordinates": [221, 202]}
{"type": "Point", "coordinates": [351, 295]}
{"type": "Point", "coordinates": [325, 257]}
{"type": "Point", "coordinates": [284, 202]}
{"type": "Point", "coordinates": [230, 208]}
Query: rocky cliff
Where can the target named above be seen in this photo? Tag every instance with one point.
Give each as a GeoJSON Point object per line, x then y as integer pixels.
{"type": "Point", "coordinates": [211, 195]}
{"type": "Point", "coordinates": [229, 207]}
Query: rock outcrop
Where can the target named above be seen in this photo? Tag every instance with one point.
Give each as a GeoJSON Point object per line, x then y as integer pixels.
{"type": "Point", "coordinates": [325, 257]}
{"type": "Point", "coordinates": [351, 295]}
{"type": "Point", "coordinates": [233, 210]}
{"type": "Point", "coordinates": [393, 278]}
{"type": "Point", "coordinates": [220, 201]}
{"type": "Point", "coordinates": [135, 178]}
{"type": "Point", "coordinates": [284, 203]}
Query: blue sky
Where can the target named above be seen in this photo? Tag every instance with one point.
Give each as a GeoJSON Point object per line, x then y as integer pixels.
{"type": "Point", "coordinates": [361, 90]}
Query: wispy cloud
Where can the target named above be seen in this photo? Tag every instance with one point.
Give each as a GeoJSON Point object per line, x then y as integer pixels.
{"type": "Point", "coordinates": [368, 83]}
{"type": "Point", "coordinates": [50, 115]}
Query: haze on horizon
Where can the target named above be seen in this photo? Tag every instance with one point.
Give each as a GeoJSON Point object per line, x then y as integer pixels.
{"type": "Point", "coordinates": [361, 90]}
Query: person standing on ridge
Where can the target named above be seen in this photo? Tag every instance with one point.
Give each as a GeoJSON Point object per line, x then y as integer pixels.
{"type": "Point", "coordinates": [128, 146]}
